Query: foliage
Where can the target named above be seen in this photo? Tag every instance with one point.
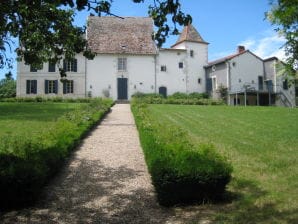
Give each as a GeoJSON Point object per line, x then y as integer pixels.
{"type": "Point", "coordinates": [177, 98]}
{"type": "Point", "coordinates": [46, 32]}
{"type": "Point", "coordinates": [181, 171]}
{"type": "Point", "coordinates": [7, 86]}
{"type": "Point", "coordinates": [223, 92]}
{"type": "Point", "coordinates": [50, 99]}
{"type": "Point", "coordinates": [262, 145]}
{"type": "Point", "coordinates": [284, 14]}
{"type": "Point", "coordinates": [28, 161]}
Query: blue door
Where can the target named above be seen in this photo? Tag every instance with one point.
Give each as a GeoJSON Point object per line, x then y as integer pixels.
{"type": "Point", "coordinates": [122, 88]}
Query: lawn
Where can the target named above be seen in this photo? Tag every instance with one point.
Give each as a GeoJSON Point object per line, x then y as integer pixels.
{"type": "Point", "coordinates": [262, 145]}
{"type": "Point", "coordinates": [30, 118]}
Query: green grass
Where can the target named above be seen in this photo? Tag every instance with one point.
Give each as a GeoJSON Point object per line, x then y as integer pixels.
{"type": "Point", "coordinates": [30, 118]}
{"type": "Point", "coordinates": [262, 145]}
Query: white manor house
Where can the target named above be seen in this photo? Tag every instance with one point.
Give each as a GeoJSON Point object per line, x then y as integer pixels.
{"type": "Point", "coordinates": [128, 61]}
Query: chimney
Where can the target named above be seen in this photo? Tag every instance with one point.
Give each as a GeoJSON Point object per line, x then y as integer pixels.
{"type": "Point", "coordinates": [240, 49]}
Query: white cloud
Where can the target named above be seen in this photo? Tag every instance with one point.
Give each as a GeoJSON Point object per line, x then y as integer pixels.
{"type": "Point", "coordinates": [266, 44]}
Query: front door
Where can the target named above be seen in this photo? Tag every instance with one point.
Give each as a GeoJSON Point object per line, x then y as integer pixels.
{"type": "Point", "coordinates": [122, 88]}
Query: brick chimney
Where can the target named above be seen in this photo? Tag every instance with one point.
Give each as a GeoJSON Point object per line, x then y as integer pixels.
{"type": "Point", "coordinates": [240, 49]}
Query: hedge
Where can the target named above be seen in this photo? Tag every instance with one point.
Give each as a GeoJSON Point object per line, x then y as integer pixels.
{"type": "Point", "coordinates": [181, 172]}
{"type": "Point", "coordinates": [27, 162]}
{"type": "Point", "coordinates": [178, 98]}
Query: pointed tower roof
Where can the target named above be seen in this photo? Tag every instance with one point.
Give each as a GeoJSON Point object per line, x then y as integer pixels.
{"type": "Point", "coordinates": [190, 34]}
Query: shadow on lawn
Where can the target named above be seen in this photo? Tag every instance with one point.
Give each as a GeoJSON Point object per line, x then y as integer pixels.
{"type": "Point", "coordinates": [88, 192]}
{"type": "Point", "coordinates": [245, 207]}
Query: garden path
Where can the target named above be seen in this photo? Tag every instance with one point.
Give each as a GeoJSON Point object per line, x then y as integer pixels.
{"type": "Point", "coordinates": [105, 181]}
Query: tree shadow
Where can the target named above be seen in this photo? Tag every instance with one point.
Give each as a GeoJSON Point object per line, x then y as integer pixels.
{"type": "Point", "coordinates": [86, 191]}
{"type": "Point", "coordinates": [244, 205]}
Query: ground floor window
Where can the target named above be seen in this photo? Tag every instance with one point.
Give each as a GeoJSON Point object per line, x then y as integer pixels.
{"type": "Point", "coordinates": [31, 86]}
{"type": "Point", "coordinates": [51, 86]}
{"type": "Point", "coordinates": [162, 91]}
{"type": "Point", "coordinates": [68, 86]}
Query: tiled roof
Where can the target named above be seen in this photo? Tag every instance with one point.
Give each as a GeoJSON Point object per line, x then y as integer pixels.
{"type": "Point", "coordinates": [112, 35]}
{"type": "Point", "coordinates": [189, 33]}
{"type": "Point", "coordinates": [229, 57]}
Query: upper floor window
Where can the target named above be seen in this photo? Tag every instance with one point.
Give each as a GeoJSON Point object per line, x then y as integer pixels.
{"type": "Point", "coordinates": [122, 64]}
{"type": "Point", "coordinates": [70, 65]}
{"type": "Point", "coordinates": [52, 66]}
{"type": "Point", "coordinates": [260, 82]}
{"type": "Point", "coordinates": [68, 86]}
{"type": "Point", "coordinates": [34, 69]}
{"type": "Point", "coordinates": [180, 64]}
{"type": "Point", "coordinates": [51, 86]}
{"type": "Point", "coordinates": [31, 86]}
{"type": "Point", "coordinates": [285, 84]}
{"type": "Point", "coordinates": [163, 68]}
{"type": "Point", "coordinates": [191, 53]}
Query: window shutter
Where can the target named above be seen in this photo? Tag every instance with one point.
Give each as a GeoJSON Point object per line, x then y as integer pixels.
{"type": "Point", "coordinates": [27, 86]}
{"type": "Point", "coordinates": [72, 86]}
{"type": "Point", "coordinates": [64, 65]}
{"type": "Point", "coordinates": [75, 65]}
{"type": "Point", "coordinates": [209, 84]}
{"type": "Point", "coordinates": [46, 86]}
{"type": "Point", "coordinates": [56, 86]}
{"type": "Point", "coordinates": [64, 87]}
{"type": "Point", "coordinates": [35, 86]}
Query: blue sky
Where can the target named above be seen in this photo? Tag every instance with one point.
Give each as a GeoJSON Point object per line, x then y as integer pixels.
{"type": "Point", "coordinates": [225, 24]}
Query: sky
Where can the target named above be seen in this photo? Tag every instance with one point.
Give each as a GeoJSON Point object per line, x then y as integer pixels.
{"type": "Point", "coordinates": [224, 24]}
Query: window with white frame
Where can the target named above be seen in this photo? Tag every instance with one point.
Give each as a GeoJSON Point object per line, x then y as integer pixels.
{"type": "Point", "coordinates": [51, 86]}
{"type": "Point", "coordinates": [180, 64]}
{"type": "Point", "coordinates": [122, 64]}
{"type": "Point", "coordinates": [70, 65]}
{"type": "Point", "coordinates": [68, 86]}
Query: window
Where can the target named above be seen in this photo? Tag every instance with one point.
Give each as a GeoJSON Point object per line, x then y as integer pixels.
{"type": "Point", "coordinates": [260, 80]}
{"type": "Point", "coordinates": [214, 84]}
{"type": "Point", "coordinates": [122, 64]}
{"type": "Point", "coordinates": [70, 65]}
{"type": "Point", "coordinates": [33, 69]}
{"type": "Point", "coordinates": [31, 86]}
{"type": "Point", "coordinates": [285, 84]}
{"type": "Point", "coordinates": [68, 86]}
{"type": "Point", "coordinates": [199, 80]}
{"type": "Point", "coordinates": [180, 64]}
{"type": "Point", "coordinates": [163, 68]}
{"type": "Point", "coordinates": [51, 86]}
{"type": "Point", "coordinates": [191, 53]}
{"type": "Point", "coordinates": [52, 67]}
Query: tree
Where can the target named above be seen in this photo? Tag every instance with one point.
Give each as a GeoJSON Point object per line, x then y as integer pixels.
{"type": "Point", "coordinates": [46, 32]}
{"type": "Point", "coordinates": [7, 86]}
{"type": "Point", "coordinates": [284, 14]}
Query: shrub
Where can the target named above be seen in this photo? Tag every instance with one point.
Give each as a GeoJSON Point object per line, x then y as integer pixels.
{"type": "Point", "coordinates": [27, 162]}
{"type": "Point", "coordinates": [181, 172]}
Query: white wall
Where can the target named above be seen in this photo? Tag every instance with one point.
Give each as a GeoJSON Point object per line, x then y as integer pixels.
{"type": "Point", "coordinates": [102, 74]}
{"type": "Point", "coordinates": [43, 74]}
{"type": "Point", "coordinates": [244, 70]}
{"type": "Point", "coordinates": [174, 78]}
{"type": "Point", "coordinates": [194, 69]}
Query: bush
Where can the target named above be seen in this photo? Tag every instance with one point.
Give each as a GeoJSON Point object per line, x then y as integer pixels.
{"type": "Point", "coordinates": [181, 172]}
{"type": "Point", "coordinates": [177, 98]}
{"type": "Point", "coordinates": [27, 162]}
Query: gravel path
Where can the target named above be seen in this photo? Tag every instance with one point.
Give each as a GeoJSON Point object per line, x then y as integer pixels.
{"type": "Point", "coordinates": [105, 181]}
